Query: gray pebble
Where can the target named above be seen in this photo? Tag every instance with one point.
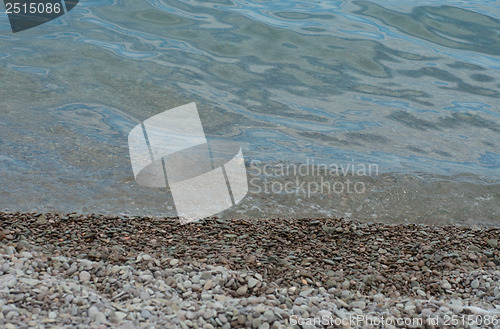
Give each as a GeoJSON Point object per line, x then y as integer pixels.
{"type": "Point", "coordinates": [445, 285]}
{"type": "Point", "coordinates": [127, 325]}
{"type": "Point", "coordinates": [358, 304]}
{"type": "Point", "coordinates": [11, 315]}
{"type": "Point", "coordinates": [493, 243]}
{"type": "Point", "coordinates": [242, 290]}
{"type": "Point", "coordinates": [145, 314]}
{"type": "Point", "coordinates": [84, 276]}
{"type": "Point", "coordinates": [252, 282]}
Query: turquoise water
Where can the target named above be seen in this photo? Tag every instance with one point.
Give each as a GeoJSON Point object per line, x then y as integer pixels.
{"type": "Point", "coordinates": [412, 88]}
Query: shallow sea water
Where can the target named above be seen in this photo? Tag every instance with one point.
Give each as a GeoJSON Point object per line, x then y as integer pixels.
{"type": "Point", "coordinates": [409, 89]}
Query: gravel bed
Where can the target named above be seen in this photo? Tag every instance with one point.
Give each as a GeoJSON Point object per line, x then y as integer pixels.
{"type": "Point", "coordinates": [89, 271]}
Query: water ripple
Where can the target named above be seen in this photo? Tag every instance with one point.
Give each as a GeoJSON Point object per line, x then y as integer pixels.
{"type": "Point", "coordinates": [412, 87]}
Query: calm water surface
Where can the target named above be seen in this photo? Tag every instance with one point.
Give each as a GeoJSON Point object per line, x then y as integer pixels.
{"type": "Point", "coordinates": [410, 88]}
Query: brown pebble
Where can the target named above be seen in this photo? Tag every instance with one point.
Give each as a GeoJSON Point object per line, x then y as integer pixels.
{"type": "Point", "coordinates": [208, 285]}
{"type": "Point", "coordinates": [473, 257]}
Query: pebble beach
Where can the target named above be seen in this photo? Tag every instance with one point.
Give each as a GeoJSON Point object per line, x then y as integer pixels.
{"type": "Point", "coordinates": [91, 271]}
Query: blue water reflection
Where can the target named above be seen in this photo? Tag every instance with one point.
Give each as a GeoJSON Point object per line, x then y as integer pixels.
{"type": "Point", "coordinates": [411, 87]}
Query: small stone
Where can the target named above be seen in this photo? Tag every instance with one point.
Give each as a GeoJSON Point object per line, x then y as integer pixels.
{"type": "Point", "coordinates": [242, 290]}
{"type": "Point", "coordinates": [222, 318]}
{"type": "Point", "coordinates": [382, 251]}
{"type": "Point", "coordinates": [446, 285]}
{"type": "Point", "coordinates": [331, 283]}
{"type": "Point", "coordinates": [473, 257]}
{"type": "Point", "coordinates": [474, 248]}
{"type": "Point", "coordinates": [476, 310]}
{"type": "Point", "coordinates": [488, 253]}
{"type": "Point", "coordinates": [300, 300]}
{"type": "Point", "coordinates": [10, 326]}
{"type": "Point", "coordinates": [209, 313]}
{"type": "Point", "coordinates": [329, 261]}
{"type": "Point", "coordinates": [84, 276]}
{"type": "Point", "coordinates": [9, 250]}
{"type": "Point", "coordinates": [324, 313]}
{"type": "Point", "coordinates": [208, 284]}
{"type": "Point", "coordinates": [409, 306]}
{"type": "Point", "coordinates": [41, 220]}
{"type": "Point", "coordinates": [74, 310]}
{"type": "Point", "coordinates": [493, 243]}
{"type": "Point", "coordinates": [306, 293]}
{"type": "Point", "coordinates": [174, 262]}
{"type": "Point", "coordinates": [252, 282]}
{"type": "Point", "coordinates": [187, 284]}
{"type": "Point", "coordinates": [127, 325]}
{"type": "Point", "coordinates": [144, 295]}
{"type": "Point", "coordinates": [52, 315]}
{"type": "Point", "coordinates": [358, 304]}
{"type": "Point", "coordinates": [265, 325]}
{"type": "Point", "coordinates": [12, 315]}
{"type": "Point", "coordinates": [119, 316]}
{"type": "Point", "coordinates": [92, 311]}
{"type": "Point", "coordinates": [256, 323]}
{"type": "Point", "coordinates": [23, 244]}
{"type": "Point", "coordinates": [474, 284]}
{"type": "Point", "coordinates": [206, 275]}
{"type": "Point", "coordinates": [242, 319]}
{"type": "Point", "coordinates": [95, 315]}
{"type": "Point", "coordinates": [68, 299]}
{"type": "Point", "coordinates": [269, 316]}
{"type": "Point", "coordinates": [145, 314]}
